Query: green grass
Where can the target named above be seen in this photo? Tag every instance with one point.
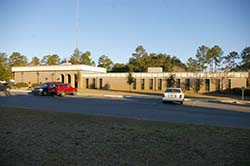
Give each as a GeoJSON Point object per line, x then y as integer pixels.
{"type": "Point", "coordinates": [33, 137]}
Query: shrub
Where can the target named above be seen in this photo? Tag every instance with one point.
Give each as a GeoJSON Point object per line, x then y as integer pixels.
{"type": "Point", "coordinates": [21, 84]}
{"type": "Point", "coordinates": [35, 84]}
{"type": "Point", "coordinates": [237, 91]}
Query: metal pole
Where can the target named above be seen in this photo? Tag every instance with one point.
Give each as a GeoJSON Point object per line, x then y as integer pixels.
{"type": "Point", "coordinates": [77, 22]}
{"type": "Point", "coordinates": [242, 92]}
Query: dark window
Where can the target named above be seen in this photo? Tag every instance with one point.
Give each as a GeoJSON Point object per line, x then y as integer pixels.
{"type": "Point", "coordinates": [87, 83]}
{"type": "Point", "coordinates": [76, 81]}
{"type": "Point", "coordinates": [100, 83]}
{"type": "Point", "coordinates": [217, 85]}
{"type": "Point", "coordinates": [187, 84]}
{"type": "Point", "coordinates": [134, 85]}
{"type": "Point", "coordinates": [178, 83]}
{"type": "Point", "coordinates": [197, 85]}
{"type": "Point", "coordinates": [151, 84]}
{"type": "Point", "coordinates": [229, 84]}
{"type": "Point", "coordinates": [69, 79]}
{"type": "Point", "coordinates": [142, 84]}
{"type": "Point", "coordinates": [62, 78]}
{"type": "Point", "coordinates": [160, 84]}
{"type": "Point", "coordinates": [173, 90]}
{"type": "Point", "coordinates": [93, 84]}
{"type": "Point", "coordinates": [207, 85]}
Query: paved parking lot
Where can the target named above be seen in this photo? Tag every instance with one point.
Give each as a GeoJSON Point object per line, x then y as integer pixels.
{"type": "Point", "coordinates": [194, 112]}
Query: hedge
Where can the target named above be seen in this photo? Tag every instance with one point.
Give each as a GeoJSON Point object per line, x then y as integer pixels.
{"type": "Point", "coordinates": [21, 84]}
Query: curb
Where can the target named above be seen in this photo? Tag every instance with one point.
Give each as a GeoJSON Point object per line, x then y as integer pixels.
{"type": "Point", "coordinates": [19, 90]}
{"type": "Point", "coordinates": [220, 101]}
{"type": "Point", "coordinates": [151, 97]}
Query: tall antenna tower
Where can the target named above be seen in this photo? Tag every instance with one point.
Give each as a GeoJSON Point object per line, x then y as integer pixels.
{"type": "Point", "coordinates": [77, 22]}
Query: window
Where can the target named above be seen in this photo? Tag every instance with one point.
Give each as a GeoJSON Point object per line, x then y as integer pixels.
{"type": "Point", "coordinates": [142, 84]}
{"type": "Point", "coordinates": [207, 85]}
{"type": "Point", "coordinates": [93, 84]}
{"type": "Point", "coordinates": [160, 84]}
{"type": "Point", "coordinates": [197, 84]}
{"type": "Point", "coordinates": [217, 85]}
{"type": "Point", "coordinates": [100, 82]}
{"type": "Point", "coordinates": [134, 85]}
{"type": "Point", "coordinates": [178, 83]}
{"type": "Point", "coordinates": [173, 90]}
{"type": "Point", "coordinates": [187, 84]}
{"type": "Point", "coordinates": [62, 78]}
{"type": "Point", "coordinates": [229, 84]}
{"type": "Point", "coordinates": [151, 84]}
{"type": "Point", "coordinates": [69, 78]}
{"type": "Point", "coordinates": [87, 83]}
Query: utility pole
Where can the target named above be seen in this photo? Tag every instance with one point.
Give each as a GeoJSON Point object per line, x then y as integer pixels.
{"type": "Point", "coordinates": [77, 23]}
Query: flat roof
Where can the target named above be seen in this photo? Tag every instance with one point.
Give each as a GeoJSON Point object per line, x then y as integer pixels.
{"type": "Point", "coordinates": [60, 68]}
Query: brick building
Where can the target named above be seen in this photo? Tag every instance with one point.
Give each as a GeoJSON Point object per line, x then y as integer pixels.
{"type": "Point", "coordinates": [83, 76]}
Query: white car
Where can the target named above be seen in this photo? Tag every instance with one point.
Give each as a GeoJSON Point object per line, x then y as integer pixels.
{"type": "Point", "coordinates": [173, 95]}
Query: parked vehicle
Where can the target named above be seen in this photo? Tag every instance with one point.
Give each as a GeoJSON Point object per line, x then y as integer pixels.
{"type": "Point", "coordinates": [173, 95]}
{"type": "Point", "coordinates": [41, 89]}
{"type": "Point", "coordinates": [61, 89]}
{"type": "Point", "coordinates": [4, 87]}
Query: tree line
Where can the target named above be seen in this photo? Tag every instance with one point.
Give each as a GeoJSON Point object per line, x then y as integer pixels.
{"type": "Point", "coordinates": [206, 59]}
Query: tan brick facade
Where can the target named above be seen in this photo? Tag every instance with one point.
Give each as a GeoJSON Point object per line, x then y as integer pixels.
{"type": "Point", "coordinates": [82, 76]}
{"type": "Point", "coordinates": [148, 82]}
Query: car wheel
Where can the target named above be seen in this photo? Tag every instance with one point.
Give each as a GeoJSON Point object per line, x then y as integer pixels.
{"type": "Point", "coordinates": [45, 93]}
{"type": "Point", "coordinates": [63, 94]}
{"type": "Point", "coordinates": [164, 102]}
{"type": "Point", "coordinates": [74, 93]}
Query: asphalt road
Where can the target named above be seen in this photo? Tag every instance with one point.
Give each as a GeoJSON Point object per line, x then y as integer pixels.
{"type": "Point", "coordinates": [192, 112]}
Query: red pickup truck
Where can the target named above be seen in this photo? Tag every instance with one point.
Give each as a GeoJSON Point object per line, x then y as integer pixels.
{"type": "Point", "coordinates": [61, 89]}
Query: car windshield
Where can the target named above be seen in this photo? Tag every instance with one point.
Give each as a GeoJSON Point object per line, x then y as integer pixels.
{"type": "Point", "coordinates": [173, 91]}
{"type": "Point", "coordinates": [44, 85]}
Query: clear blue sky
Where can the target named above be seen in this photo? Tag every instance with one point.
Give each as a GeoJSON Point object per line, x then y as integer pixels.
{"type": "Point", "coordinates": [116, 27]}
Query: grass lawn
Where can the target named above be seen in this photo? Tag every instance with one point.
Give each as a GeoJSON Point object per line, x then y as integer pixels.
{"type": "Point", "coordinates": [33, 137]}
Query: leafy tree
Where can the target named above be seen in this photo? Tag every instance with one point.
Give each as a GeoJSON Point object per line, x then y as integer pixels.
{"type": "Point", "coordinates": [177, 65]}
{"type": "Point", "coordinates": [119, 67]}
{"type": "Point", "coordinates": [141, 60]}
{"type": "Point", "coordinates": [51, 60]}
{"type": "Point", "coordinates": [192, 65]}
{"type": "Point", "coordinates": [86, 59]}
{"type": "Point", "coordinates": [201, 56]}
{"type": "Point", "coordinates": [136, 61]}
{"type": "Point", "coordinates": [130, 79]}
{"type": "Point", "coordinates": [230, 61]}
{"type": "Point", "coordinates": [105, 61]}
{"type": "Point", "coordinates": [16, 59]}
{"type": "Point", "coordinates": [214, 57]}
{"type": "Point", "coordinates": [5, 69]}
{"type": "Point", "coordinates": [63, 61]}
{"type": "Point", "coordinates": [196, 84]}
{"type": "Point", "coordinates": [171, 81]}
{"type": "Point", "coordinates": [245, 56]}
{"type": "Point", "coordinates": [76, 57]}
{"type": "Point", "coordinates": [35, 61]}
{"type": "Point", "coordinates": [3, 58]}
